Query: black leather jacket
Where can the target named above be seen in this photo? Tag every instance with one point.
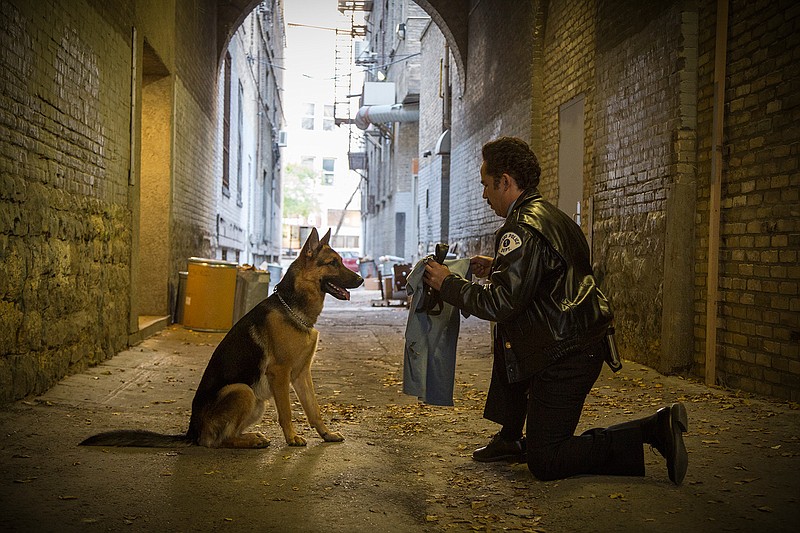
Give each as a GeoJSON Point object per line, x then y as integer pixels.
{"type": "Point", "coordinates": [541, 291]}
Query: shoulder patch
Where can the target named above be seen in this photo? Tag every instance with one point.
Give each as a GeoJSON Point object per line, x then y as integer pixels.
{"type": "Point", "coordinates": [509, 242]}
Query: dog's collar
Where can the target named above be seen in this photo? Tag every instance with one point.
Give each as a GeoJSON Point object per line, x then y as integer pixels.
{"type": "Point", "coordinates": [294, 315]}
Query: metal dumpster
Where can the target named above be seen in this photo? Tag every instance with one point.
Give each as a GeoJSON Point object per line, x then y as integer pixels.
{"type": "Point", "coordinates": [210, 292]}
{"type": "Point", "coordinates": [252, 286]}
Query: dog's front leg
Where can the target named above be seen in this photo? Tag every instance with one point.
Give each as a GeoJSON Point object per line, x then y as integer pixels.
{"type": "Point", "coordinates": [279, 384]}
{"type": "Point", "coordinates": [304, 387]}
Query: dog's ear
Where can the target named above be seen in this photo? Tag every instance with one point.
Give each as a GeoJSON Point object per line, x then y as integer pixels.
{"type": "Point", "coordinates": [311, 245]}
{"type": "Point", "coordinates": [326, 239]}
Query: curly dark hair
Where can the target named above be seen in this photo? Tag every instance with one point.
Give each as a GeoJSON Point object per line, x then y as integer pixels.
{"type": "Point", "coordinates": [512, 156]}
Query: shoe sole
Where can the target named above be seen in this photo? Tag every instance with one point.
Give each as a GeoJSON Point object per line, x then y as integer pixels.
{"type": "Point", "coordinates": [515, 458]}
{"type": "Point", "coordinates": [679, 423]}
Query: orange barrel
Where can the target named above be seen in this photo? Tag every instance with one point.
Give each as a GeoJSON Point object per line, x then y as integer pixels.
{"type": "Point", "coordinates": [210, 291]}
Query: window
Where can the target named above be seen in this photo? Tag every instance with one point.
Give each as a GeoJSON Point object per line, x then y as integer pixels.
{"type": "Point", "coordinates": [328, 123]}
{"type": "Point", "coordinates": [239, 140]}
{"type": "Point", "coordinates": [226, 129]}
{"type": "Point", "coordinates": [327, 170]}
{"type": "Point", "coordinates": [307, 122]}
{"type": "Point", "coordinates": [307, 161]}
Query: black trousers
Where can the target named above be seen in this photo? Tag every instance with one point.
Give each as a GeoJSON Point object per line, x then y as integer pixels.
{"type": "Point", "coordinates": [551, 402]}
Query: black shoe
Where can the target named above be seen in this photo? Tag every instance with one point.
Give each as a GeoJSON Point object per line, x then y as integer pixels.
{"type": "Point", "coordinates": [667, 438]}
{"type": "Point", "coordinates": [500, 449]}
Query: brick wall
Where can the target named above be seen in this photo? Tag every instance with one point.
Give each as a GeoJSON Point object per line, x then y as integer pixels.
{"type": "Point", "coordinates": [428, 203]}
{"type": "Point", "coordinates": [637, 117]}
{"type": "Point", "coordinates": [759, 309]}
{"type": "Point", "coordinates": [65, 231]}
{"type": "Point", "coordinates": [198, 170]}
{"type": "Point", "coordinates": [645, 71]}
{"type": "Point", "coordinates": [69, 212]}
{"type": "Point", "coordinates": [496, 102]}
{"type": "Point", "coordinates": [198, 166]}
{"type": "Point", "coordinates": [648, 123]}
{"type": "Point", "coordinates": [568, 70]}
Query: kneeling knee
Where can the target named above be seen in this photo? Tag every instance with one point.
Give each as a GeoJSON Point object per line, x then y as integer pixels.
{"type": "Point", "coordinates": [539, 468]}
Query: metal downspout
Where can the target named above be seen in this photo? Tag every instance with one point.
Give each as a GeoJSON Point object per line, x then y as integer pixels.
{"type": "Point", "coordinates": [715, 192]}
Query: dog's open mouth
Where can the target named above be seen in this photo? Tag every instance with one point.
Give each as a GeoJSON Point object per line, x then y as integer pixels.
{"type": "Point", "coordinates": [340, 293]}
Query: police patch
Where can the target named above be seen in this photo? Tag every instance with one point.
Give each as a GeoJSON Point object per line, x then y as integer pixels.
{"type": "Point", "coordinates": [508, 243]}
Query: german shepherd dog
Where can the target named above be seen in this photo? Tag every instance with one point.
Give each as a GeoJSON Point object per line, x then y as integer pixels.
{"type": "Point", "coordinates": [265, 352]}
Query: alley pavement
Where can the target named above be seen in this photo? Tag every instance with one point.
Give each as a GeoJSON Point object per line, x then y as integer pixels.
{"type": "Point", "coordinates": [404, 466]}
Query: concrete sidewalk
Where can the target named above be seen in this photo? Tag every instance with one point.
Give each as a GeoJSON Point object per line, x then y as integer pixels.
{"type": "Point", "coordinates": [404, 466]}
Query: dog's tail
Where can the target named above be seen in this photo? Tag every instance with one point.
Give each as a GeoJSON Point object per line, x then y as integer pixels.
{"type": "Point", "coordinates": [137, 438]}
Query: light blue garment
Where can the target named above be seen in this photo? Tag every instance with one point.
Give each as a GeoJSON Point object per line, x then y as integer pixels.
{"type": "Point", "coordinates": [429, 362]}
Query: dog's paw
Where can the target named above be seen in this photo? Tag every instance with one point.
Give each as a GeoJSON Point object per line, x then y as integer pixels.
{"type": "Point", "coordinates": [296, 440]}
{"type": "Point", "coordinates": [260, 440]}
{"type": "Point", "coordinates": [332, 436]}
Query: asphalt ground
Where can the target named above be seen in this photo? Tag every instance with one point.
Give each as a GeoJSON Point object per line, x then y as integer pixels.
{"type": "Point", "coordinates": [404, 466]}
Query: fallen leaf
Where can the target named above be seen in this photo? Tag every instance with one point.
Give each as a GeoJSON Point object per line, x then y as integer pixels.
{"type": "Point", "coordinates": [522, 513]}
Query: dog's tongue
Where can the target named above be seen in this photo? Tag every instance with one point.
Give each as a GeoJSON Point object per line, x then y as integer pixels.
{"type": "Point", "coordinates": [337, 292]}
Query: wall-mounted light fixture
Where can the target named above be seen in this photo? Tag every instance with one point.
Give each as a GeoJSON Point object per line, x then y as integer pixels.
{"type": "Point", "coordinates": [401, 31]}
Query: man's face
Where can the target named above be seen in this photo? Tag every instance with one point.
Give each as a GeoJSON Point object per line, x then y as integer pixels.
{"type": "Point", "coordinates": [493, 193]}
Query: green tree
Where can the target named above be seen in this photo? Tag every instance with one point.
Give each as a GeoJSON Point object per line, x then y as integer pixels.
{"type": "Point", "coordinates": [300, 191]}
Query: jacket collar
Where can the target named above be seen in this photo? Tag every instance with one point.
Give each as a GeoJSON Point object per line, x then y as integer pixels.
{"type": "Point", "coordinates": [528, 195]}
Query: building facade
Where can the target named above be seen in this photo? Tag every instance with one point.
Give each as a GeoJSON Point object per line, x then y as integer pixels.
{"type": "Point", "coordinates": [389, 115]}
{"type": "Point", "coordinates": [251, 112]}
{"type": "Point", "coordinates": [316, 144]}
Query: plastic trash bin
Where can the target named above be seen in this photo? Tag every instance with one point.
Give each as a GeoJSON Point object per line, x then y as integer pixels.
{"type": "Point", "coordinates": [210, 293]}
{"type": "Point", "coordinates": [275, 272]}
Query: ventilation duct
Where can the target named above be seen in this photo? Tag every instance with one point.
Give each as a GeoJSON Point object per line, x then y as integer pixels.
{"type": "Point", "coordinates": [378, 114]}
{"type": "Point", "coordinates": [443, 144]}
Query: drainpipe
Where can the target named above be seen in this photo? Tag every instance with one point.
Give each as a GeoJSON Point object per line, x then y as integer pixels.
{"type": "Point", "coordinates": [715, 192]}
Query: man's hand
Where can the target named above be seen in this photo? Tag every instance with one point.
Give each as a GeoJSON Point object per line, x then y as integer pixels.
{"type": "Point", "coordinates": [481, 265]}
{"type": "Point", "coordinates": [434, 273]}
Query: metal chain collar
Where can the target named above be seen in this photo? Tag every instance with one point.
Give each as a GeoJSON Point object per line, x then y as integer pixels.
{"type": "Point", "coordinates": [291, 312]}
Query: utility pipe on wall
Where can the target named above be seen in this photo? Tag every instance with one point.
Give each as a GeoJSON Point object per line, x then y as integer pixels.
{"type": "Point", "coordinates": [715, 192]}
